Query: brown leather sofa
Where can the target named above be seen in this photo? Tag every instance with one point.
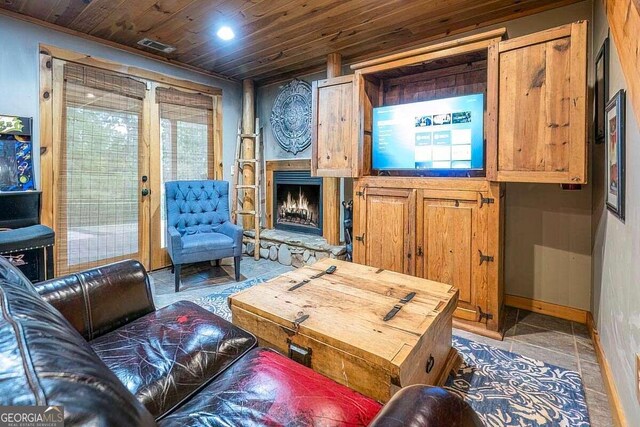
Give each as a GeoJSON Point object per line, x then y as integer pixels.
{"type": "Point", "coordinates": [94, 343]}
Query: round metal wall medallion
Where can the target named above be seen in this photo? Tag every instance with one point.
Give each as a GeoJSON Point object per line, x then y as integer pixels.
{"type": "Point", "coordinates": [291, 116]}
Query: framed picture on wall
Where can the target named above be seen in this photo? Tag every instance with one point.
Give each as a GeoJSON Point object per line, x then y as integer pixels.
{"type": "Point", "coordinates": [601, 91]}
{"type": "Point", "coordinates": [615, 156]}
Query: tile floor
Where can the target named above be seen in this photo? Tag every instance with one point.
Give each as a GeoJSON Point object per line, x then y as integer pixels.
{"type": "Point", "coordinates": [555, 341]}
{"type": "Point", "coordinates": [202, 279]}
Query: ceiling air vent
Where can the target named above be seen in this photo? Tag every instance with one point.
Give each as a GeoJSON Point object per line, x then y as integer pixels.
{"type": "Point", "coordinates": [165, 48]}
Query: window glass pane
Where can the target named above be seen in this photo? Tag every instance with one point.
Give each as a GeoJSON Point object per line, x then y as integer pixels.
{"type": "Point", "coordinates": [98, 203]}
{"type": "Point", "coordinates": [185, 134]}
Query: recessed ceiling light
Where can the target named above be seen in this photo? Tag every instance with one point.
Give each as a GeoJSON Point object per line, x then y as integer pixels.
{"type": "Point", "coordinates": [225, 33]}
{"type": "Point", "coordinates": [90, 95]}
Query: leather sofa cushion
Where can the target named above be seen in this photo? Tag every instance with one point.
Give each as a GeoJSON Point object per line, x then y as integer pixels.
{"type": "Point", "coordinates": [46, 362]}
{"type": "Point", "coordinates": [166, 356]}
{"type": "Point", "coordinates": [424, 406]}
{"type": "Point", "coordinates": [205, 242]}
{"type": "Point", "coordinates": [265, 388]}
{"type": "Point", "coordinates": [102, 299]}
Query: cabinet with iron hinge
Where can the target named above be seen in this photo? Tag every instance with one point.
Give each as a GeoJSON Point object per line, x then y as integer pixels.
{"type": "Point", "coordinates": [444, 230]}
{"type": "Point", "coordinates": [535, 115]}
{"type": "Point", "coordinates": [542, 114]}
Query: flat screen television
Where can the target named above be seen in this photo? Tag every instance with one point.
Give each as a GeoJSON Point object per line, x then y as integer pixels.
{"type": "Point", "coordinates": [442, 137]}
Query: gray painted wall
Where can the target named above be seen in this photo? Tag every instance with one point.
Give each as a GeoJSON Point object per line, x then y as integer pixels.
{"type": "Point", "coordinates": [548, 239]}
{"type": "Point", "coordinates": [265, 98]}
{"type": "Point", "coordinates": [616, 249]}
{"type": "Point", "coordinates": [19, 76]}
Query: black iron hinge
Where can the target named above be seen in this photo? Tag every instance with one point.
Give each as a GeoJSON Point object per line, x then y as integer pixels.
{"type": "Point", "coordinates": [360, 194]}
{"type": "Point", "coordinates": [299, 320]}
{"type": "Point", "coordinates": [360, 238]}
{"type": "Point", "coordinates": [483, 257]}
{"type": "Point", "coordinates": [486, 201]}
{"type": "Point", "coordinates": [483, 315]}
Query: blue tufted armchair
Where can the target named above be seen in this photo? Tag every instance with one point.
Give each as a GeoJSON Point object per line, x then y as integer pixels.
{"type": "Point", "coordinates": [198, 226]}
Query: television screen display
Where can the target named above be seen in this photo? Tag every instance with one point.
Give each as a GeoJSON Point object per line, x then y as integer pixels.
{"type": "Point", "coordinates": [438, 135]}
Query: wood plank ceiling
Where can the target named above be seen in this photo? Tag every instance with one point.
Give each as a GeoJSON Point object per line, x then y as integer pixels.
{"type": "Point", "coordinates": [275, 39]}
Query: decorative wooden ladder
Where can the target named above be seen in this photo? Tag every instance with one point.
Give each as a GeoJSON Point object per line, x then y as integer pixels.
{"type": "Point", "coordinates": [237, 209]}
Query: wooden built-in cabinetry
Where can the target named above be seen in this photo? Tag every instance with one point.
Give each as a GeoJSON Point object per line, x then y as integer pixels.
{"type": "Point", "coordinates": [334, 122]}
{"type": "Point", "coordinates": [535, 89]}
{"type": "Point", "coordinates": [440, 229]}
{"type": "Point", "coordinates": [542, 118]}
{"type": "Point", "coordinates": [451, 229]}
{"type": "Point", "coordinates": [389, 217]}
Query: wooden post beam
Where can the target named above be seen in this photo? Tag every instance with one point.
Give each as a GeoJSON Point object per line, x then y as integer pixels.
{"type": "Point", "coordinates": [248, 150]}
{"type": "Point", "coordinates": [331, 186]}
{"type": "Point", "coordinates": [624, 21]}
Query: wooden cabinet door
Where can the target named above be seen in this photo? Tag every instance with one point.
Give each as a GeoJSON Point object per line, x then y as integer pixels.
{"type": "Point", "coordinates": [452, 236]}
{"type": "Point", "coordinates": [542, 114]}
{"type": "Point", "coordinates": [335, 126]}
{"type": "Point", "coordinates": [385, 232]}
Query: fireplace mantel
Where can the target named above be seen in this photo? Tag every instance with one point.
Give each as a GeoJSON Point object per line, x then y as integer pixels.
{"type": "Point", "coordinates": [330, 202]}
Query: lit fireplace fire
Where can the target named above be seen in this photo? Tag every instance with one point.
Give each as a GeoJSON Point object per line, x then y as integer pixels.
{"type": "Point", "coordinates": [298, 210]}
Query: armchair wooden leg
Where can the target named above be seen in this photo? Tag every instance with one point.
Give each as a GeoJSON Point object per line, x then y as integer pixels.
{"type": "Point", "coordinates": [176, 275]}
{"type": "Point", "coordinates": [236, 263]}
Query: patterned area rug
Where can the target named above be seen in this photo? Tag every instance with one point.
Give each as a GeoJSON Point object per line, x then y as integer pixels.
{"type": "Point", "coordinates": [508, 389]}
{"type": "Point", "coordinates": [217, 302]}
{"type": "Point", "coordinates": [505, 389]}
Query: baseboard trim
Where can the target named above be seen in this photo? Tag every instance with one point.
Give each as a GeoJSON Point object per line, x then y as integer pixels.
{"type": "Point", "coordinates": [477, 328]}
{"type": "Point", "coordinates": [617, 412]}
{"type": "Point", "coordinates": [550, 309]}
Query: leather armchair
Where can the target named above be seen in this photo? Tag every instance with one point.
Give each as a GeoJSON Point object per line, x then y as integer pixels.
{"type": "Point", "coordinates": [198, 225]}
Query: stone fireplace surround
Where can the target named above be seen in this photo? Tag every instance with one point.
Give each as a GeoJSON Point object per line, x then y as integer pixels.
{"type": "Point", "coordinates": [286, 247]}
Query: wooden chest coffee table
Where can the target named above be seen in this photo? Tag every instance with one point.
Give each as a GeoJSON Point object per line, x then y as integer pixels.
{"type": "Point", "coordinates": [335, 325]}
